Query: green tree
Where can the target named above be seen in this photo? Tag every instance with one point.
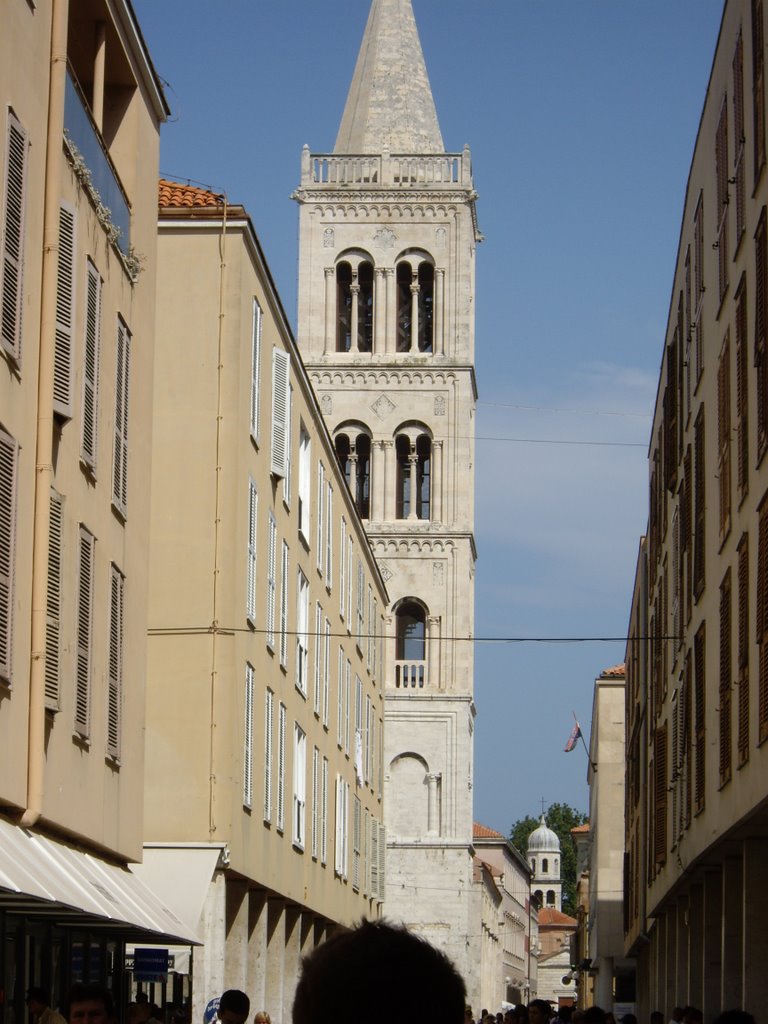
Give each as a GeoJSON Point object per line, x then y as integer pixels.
{"type": "Point", "coordinates": [561, 818]}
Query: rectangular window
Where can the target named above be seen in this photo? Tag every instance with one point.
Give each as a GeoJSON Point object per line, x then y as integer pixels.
{"type": "Point", "coordinates": [739, 137]}
{"type": "Point", "coordinates": [660, 796]}
{"type": "Point", "coordinates": [359, 729]}
{"type": "Point", "coordinates": [256, 330]}
{"type": "Point", "coordinates": [350, 563]}
{"type": "Point", "coordinates": [342, 827]}
{"type": "Point", "coordinates": [329, 537]}
{"type": "Point", "coordinates": [115, 686]}
{"type": "Point", "coordinates": [324, 813]}
{"type": "Point", "coordinates": [725, 679]}
{"type": "Point", "coordinates": [742, 392]}
{"type": "Point", "coordinates": [271, 580]}
{"type": "Point", "coordinates": [9, 455]}
{"type": "Point", "coordinates": [288, 452]}
{"type": "Point", "coordinates": [302, 633]}
{"type": "Point", "coordinates": [250, 574]}
{"type": "Point", "coordinates": [91, 369]}
{"type": "Point", "coordinates": [281, 367]}
{"type": "Point", "coordinates": [369, 630]}
{"type": "Point", "coordinates": [269, 706]}
{"type": "Point", "coordinates": [347, 703]}
{"type": "Point", "coordinates": [762, 622]}
{"type": "Point", "coordinates": [758, 86]}
{"type": "Point", "coordinates": [721, 177]}
{"type": "Point", "coordinates": [367, 737]}
{"type": "Point", "coordinates": [340, 702]}
{"type": "Point", "coordinates": [742, 732]}
{"type": "Point", "coordinates": [375, 638]}
{"type": "Point", "coordinates": [320, 517]}
{"type": "Point", "coordinates": [284, 607]}
{"type": "Point", "coordinates": [318, 645]}
{"type": "Point", "coordinates": [342, 566]}
{"type": "Point", "coordinates": [304, 484]}
{"type": "Point", "coordinates": [699, 539]}
{"type": "Point", "coordinates": [373, 864]}
{"type": "Point", "coordinates": [299, 784]}
{"type": "Point", "coordinates": [724, 436]}
{"type": "Point", "coordinates": [699, 720]}
{"type": "Point", "coordinates": [698, 285]}
{"type": "Point", "coordinates": [14, 202]}
{"type": "Point", "coordinates": [281, 719]}
{"type": "Point", "coordinates": [761, 334]}
{"type": "Point", "coordinates": [360, 616]}
{"type": "Point", "coordinates": [356, 837]}
{"type": "Point", "coordinates": [84, 632]}
{"type": "Point", "coordinates": [120, 442]}
{"type": "Point", "coordinates": [53, 604]}
{"type": "Point", "coordinates": [327, 673]}
{"type": "Point", "coordinates": [248, 738]}
{"type": "Point", "coordinates": [315, 802]}
{"type": "Point", "coordinates": [65, 313]}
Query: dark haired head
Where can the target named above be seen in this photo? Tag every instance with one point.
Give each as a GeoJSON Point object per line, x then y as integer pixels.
{"type": "Point", "coordinates": [36, 994]}
{"type": "Point", "coordinates": [382, 968]}
{"type": "Point", "coordinates": [88, 993]}
{"type": "Point", "coordinates": [236, 1002]}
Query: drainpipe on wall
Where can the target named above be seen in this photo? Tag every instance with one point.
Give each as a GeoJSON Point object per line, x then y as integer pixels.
{"type": "Point", "coordinates": [44, 439]}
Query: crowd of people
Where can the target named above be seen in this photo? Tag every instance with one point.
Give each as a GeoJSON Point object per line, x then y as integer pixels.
{"type": "Point", "coordinates": [375, 971]}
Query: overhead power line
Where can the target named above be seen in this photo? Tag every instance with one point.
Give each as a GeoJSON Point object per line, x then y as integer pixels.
{"type": "Point", "coordinates": [573, 412]}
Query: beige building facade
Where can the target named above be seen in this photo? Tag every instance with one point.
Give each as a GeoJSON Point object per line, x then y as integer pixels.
{"type": "Point", "coordinates": [388, 232]}
{"type": "Point", "coordinates": [264, 813]}
{"type": "Point", "coordinates": [79, 101]}
{"type": "Point", "coordinates": [697, 674]}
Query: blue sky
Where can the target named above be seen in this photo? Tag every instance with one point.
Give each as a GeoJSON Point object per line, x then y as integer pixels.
{"type": "Point", "coordinates": [581, 116]}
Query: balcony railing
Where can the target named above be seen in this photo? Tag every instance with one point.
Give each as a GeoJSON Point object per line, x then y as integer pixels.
{"type": "Point", "coordinates": [371, 171]}
{"type": "Point", "coordinates": [86, 144]}
{"type": "Point", "coordinates": [410, 675]}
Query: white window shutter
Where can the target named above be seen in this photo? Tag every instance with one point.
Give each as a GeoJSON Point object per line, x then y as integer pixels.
{"type": "Point", "coordinates": [338, 853]}
{"type": "Point", "coordinates": [91, 368]}
{"type": "Point", "coordinates": [320, 522]}
{"type": "Point", "coordinates": [14, 202]}
{"type": "Point", "coordinates": [248, 737]}
{"type": "Point", "coordinates": [65, 308]}
{"type": "Point", "coordinates": [281, 767]}
{"type": "Point", "coordinates": [258, 317]}
{"type": "Point", "coordinates": [281, 364]}
{"type": "Point", "coordinates": [84, 633]}
{"type": "Point", "coordinates": [53, 605]}
{"type": "Point", "coordinates": [120, 445]}
{"type": "Point", "coordinates": [318, 645]}
{"type": "Point", "coordinates": [268, 715]}
{"type": "Point", "coordinates": [315, 802]}
{"type": "Point", "coordinates": [271, 580]}
{"type": "Point", "coordinates": [324, 813]}
{"type": "Point", "coordinates": [327, 673]}
{"type": "Point", "coordinates": [357, 811]}
{"type": "Point", "coordinates": [373, 859]}
{"type": "Point", "coordinates": [115, 682]}
{"type": "Point", "coordinates": [329, 538]}
{"type": "Point", "coordinates": [340, 703]}
{"type": "Point", "coordinates": [342, 567]}
{"type": "Point", "coordinates": [8, 470]}
{"type": "Point", "coordinates": [250, 601]}
{"type": "Point", "coordinates": [284, 608]}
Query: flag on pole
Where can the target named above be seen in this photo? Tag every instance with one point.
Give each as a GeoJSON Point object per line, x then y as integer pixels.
{"type": "Point", "coordinates": [573, 739]}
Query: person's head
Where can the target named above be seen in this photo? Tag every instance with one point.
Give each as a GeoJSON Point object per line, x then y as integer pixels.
{"type": "Point", "coordinates": [609, 1018]}
{"type": "Point", "coordinates": [262, 1017]}
{"type": "Point", "coordinates": [88, 1004]}
{"type": "Point", "coordinates": [382, 968]}
{"type": "Point", "coordinates": [677, 1014]}
{"type": "Point", "coordinates": [657, 1017]}
{"type": "Point", "coordinates": [594, 1015]}
{"type": "Point", "coordinates": [692, 1015]}
{"type": "Point", "coordinates": [234, 1007]}
{"type": "Point", "coordinates": [539, 1011]}
{"type": "Point", "coordinates": [37, 1000]}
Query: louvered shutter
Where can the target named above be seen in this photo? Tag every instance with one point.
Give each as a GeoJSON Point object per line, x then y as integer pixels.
{"type": "Point", "coordinates": [373, 863]}
{"type": "Point", "coordinates": [250, 600]}
{"type": "Point", "coordinates": [382, 861]}
{"type": "Point", "coordinates": [271, 580]}
{"type": "Point", "coordinates": [268, 715]}
{"type": "Point", "coordinates": [318, 645]}
{"type": "Point", "coordinates": [248, 738]}
{"type": "Point", "coordinates": [281, 363]}
{"type": "Point", "coordinates": [342, 567]}
{"type": "Point", "coordinates": [8, 470]}
{"type": "Point", "coordinates": [284, 608]}
{"type": "Point", "coordinates": [329, 538]}
{"type": "Point", "coordinates": [356, 833]}
{"type": "Point", "coordinates": [315, 802]}
{"type": "Point", "coordinates": [340, 703]}
{"type": "Point", "coordinates": [338, 853]}
{"type": "Point", "coordinates": [327, 673]}
{"type": "Point", "coordinates": [320, 519]}
{"type": "Point", "coordinates": [742, 392]}
{"type": "Point", "coordinates": [84, 633]}
{"type": "Point", "coordinates": [699, 711]}
{"type": "Point", "coordinates": [91, 368]}
{"type": "Point", "coordinates": [120, 444]}
{"type": "Point", "coordinates": [14, 202]}
{"type": "Point", "coordinates": [115, 682]}
{"type": "Point", "coordinates": [65, 306]}
{"type": "Point", "coordinates": [281, 767]}
{"type": "Point", "coordinates": [324, 814]}
{"type": "Point", "coordinates": [660, 796]}
{"type": "Point", "coordinates": [256, 369]}
{"type": "Point", "coordinates": [742, 731]}
{"type": "Point", "coordinates": [53, 605]}
{"type": "Point", "coordinates": [725, 680]}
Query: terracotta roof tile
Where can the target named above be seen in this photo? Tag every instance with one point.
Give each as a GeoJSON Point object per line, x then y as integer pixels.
{"type": "Point", "coordinates": [580, 828]}
{"type": "Point", "coordinates": [483, 832]}
{"type": "Point", "coordinates": [550, 916]}
{"type": "Point", "coordinates": [615, 672]}
{"type": "Point", "coordinates": [174, 193]}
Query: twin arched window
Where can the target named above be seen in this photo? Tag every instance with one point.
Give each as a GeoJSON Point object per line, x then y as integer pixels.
{"type": "Point", "coordinates": [410, 645]}
{"type": "Point", "coordinates": [414, 469]}
{"type": "Point", "coordinates": [353, 450]}
{"type": "Point", "coordinates": [354, 306]}
{"type": "Point", "coordinates": [415, 305]}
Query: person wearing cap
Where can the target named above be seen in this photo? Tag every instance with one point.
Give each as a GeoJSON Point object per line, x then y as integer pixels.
{"type": "Point", "coordinates": [37, 1004]}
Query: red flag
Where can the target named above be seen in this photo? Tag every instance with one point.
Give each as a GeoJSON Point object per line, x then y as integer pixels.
{"type": "Point", "coordinates": [573, 739]}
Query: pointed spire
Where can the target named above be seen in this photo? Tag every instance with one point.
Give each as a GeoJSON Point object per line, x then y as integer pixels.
{"type": "Point", "coordinates": [390, 102]}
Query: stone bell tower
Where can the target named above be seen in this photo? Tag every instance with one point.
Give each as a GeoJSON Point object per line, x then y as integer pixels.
{"type": "Point", "coordinates": [388, 233]}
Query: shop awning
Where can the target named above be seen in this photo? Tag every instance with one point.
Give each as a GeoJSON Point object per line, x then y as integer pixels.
{"type": "Point", "coordinates": [182, 872]}
{"type": "Point", "coordinates": [52, 879]}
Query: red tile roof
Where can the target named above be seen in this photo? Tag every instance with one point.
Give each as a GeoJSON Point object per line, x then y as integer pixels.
{"type": "Point", "coordinates": [581, 828]}
{"type": "Point", "coordinates": [615, 672]}
{"type": "Point", "coordinates": [483, 832]}
{"type": "Point", "coordinates": [550, 916]}
{"type": "Point", "coordinates": [174, 193]}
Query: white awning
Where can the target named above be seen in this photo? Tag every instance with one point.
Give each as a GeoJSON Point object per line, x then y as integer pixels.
{"type": "Point", "coordinates": [46, 877]}
{"type": "Point", "coordinates": [182, 872]}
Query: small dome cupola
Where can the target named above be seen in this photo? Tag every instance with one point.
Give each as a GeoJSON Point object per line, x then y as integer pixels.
{"type": "Point", "coordinates": [543, 839]}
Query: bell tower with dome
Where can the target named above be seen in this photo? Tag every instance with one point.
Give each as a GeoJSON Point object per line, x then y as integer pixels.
{"type": "Point", "coordinates": [544, 858]}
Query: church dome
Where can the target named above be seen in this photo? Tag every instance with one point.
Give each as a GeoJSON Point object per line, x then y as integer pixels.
{"type": "Point", "coordinates": [543, 839]}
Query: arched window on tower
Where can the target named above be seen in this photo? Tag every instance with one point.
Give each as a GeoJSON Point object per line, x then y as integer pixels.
{"type": "Point", "coordinates": [353, 451]}
{"type": "Point", "coordinates": [404, 306]}
{"type": "Point", "coordinates": [410, 645]}
{"type": "Point", "coordinates": [415, 280]}
{"type": "Point", "coordinates": [354, 304]}
{"type": "Point", "coordinates": [550, 897]}
{"type": "Point", "coordinates": [414, 473]}
{"type": "Point", "coordinates": [426, 306]}
{"type": "Point", "coordinates": [544, 865]}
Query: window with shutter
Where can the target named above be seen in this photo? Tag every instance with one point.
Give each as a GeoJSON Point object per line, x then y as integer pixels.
{"type": "Point", "coordinates": [284, 607]}
{"type": "Point", "coordinates": [742, 731]}
{"type": "Point", "coordinates": [687, 740]}
{"type": "Point", "coordinates": [347, 703]}
{"type": "Point", "coordinates": [761, 347]}
{"type": "Point", "coordinates": [302, 634]}
{"type": "Point", "coordinates": [327, 673]}
{"type": "Point", "coordinates": [288, 450]}
{"type": "Point", "coordinates": [699, 506]}
{"type": "Point", "coordinates": [315, 802]}
{"type": "Point", "coordinates": [115, 682]}
{"type": "Point", "coordinates": [299, 785]}
{"type": "Point", "coordinates": [373, 862]}
{"type": "Point", "coordinates": [342, 567]}
{"type": "Point", "coordinates": [84, 633]}
{"type": "Point", "coordinates": [256, 331]}
{"type": "Point", "coordinates": [762, 621]}
{"type": "Point", "coordinates": [360, 616]}
{"type": "Point", "coordinates": [324, 813]}
{"type": "Point", "coordinates": [281, 363]}
{"type": "Point", "coordinates": [269, 705]}
{"type": "Point", "coordinates": [742, 392]}
{"type": "Point", "coordinates": [248, 737]}
{"type": "Point", "coordinates": [281, 720]}
{"type": "Point", "coordinates": [725, 680]}
{"type": "Point", "coordinates": [120, 447]}
{"type": "Point", "coordinates": [340, 702]}
{"type": "Point", "coordinates": [304, 484]}
{"type": "Point", "coordinates": [12, 225]}
{"type": "Point", "coordinates": [724, 436]}
{"type": "Point", "coordinates": [250, 576]}
{"type": "Point", "coordinates": [722, 199]}
{"type": "Point", "coordinates": [338, 853]}
{"type": "Point", "coordinates": [65, 313]}
{"type": "Point", "coordinates": [53, 605]}
{"type": "Point", "coordinates": [687, 531]}
{"type": "Point", "coordinates": [758, 86]}
{"type": "Point", "coordinates": [382, 861]}
{"type": "Point", "coordinates": [91, 369]}
{"type": "Point", "coordinates": [357, 813]}
{"type": "Point", "coordinates": [350, 563]}
{"type": "Point", "coordinates": [698, 284]}
{"type": "Point", "coordinates": [271, 580]}
{"type": "Point", "coordinates": [318, 646]}
{"type": "Point", "coordinates": [9, 451]}
{"type": "Point", "coordinates": [699, 724]}
{"type": "Point", "coordinates": [660, 796]}
{"type": "Point", "coordinates": [320, 517]}
{"type": "Point", "coordinates": [739, 138]}
{"type": "Point", "coordinates": [329, 538]}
